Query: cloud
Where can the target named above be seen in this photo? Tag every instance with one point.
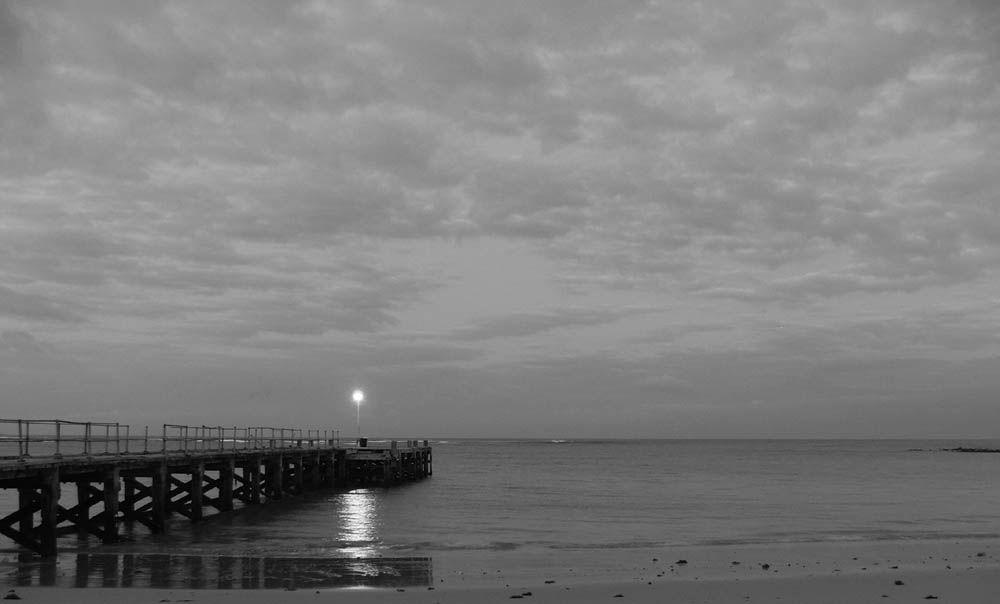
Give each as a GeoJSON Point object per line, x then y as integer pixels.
{"type": "Point", "coordinates": [34, 307]}
{"type": "Point", "coordinates": [22, 343]}
{"type": "Point", "coordinates": [10, 37]}
{"type": "Point", "coordinates": [529, 324]}
{"type": "Point", "coordinates": [280, 182]}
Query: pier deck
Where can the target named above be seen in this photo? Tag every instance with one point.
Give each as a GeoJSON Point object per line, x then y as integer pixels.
{"type": "Point", "coordinates": [190, 471]}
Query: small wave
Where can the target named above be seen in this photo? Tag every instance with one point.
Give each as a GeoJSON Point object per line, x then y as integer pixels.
{"type": "Point", "coordinates": [349, 544]}
{"type": "Point", "coordinates": [492, 546]}
{"type": "Point", "coordinates": [887, 536]}
{"type": "Point", "coordinates": [608, 546]}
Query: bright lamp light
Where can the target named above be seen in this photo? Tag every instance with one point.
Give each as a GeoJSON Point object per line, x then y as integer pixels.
{"type": "Point", "coordinates": [358, 396]}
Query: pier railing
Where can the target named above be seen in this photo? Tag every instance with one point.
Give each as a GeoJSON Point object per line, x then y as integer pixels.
{"type": "Point", "coordinates": [21, 438]}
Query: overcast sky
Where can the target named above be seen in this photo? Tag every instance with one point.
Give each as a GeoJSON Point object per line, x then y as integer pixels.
{"type": "Point", "coordinates": [552, 218]}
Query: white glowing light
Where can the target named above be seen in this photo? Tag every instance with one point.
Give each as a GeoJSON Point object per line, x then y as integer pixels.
{"type": "Point", "coordinates": [358, 396]}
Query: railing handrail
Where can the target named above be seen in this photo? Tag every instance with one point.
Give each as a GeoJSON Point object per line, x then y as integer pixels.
{"type": "Point", "coordinates": [58, 437]}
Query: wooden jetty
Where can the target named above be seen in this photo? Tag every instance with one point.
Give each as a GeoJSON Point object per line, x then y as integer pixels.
{"type": "Point", "coordinates": [192, 471]}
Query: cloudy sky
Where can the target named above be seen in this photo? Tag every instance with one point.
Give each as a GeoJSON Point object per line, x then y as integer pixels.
{"type": "Point", "coordinates": [552, 218]}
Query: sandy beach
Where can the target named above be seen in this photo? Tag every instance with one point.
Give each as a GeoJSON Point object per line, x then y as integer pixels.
{"type": "Point", "coordinates": [965, 572]}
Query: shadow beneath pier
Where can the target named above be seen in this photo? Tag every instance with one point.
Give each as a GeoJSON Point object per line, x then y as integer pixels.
{"type": "Point", "coordinates": [213, 572]}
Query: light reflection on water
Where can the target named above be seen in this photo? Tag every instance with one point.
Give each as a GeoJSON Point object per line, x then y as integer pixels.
{"type": "Point", "coordinates": [212, 572]}
{"type": "Point", "coordinates": [358, 512]}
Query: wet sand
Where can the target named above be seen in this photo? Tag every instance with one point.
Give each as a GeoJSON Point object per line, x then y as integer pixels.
{"type": "Point", "coordinates": [962, 571]}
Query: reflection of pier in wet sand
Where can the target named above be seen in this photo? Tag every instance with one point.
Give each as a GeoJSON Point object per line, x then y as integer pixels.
{"type": "Point", "coordinates": [215, 572]}
{"type": "Point", "coordinates": [188, 471]}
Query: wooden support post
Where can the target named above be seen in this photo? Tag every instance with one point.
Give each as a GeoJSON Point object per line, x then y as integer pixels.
{"type": "Point", "coordinates": [49, 500]}
{"type": "Point", "coordinates": [251, 480]}
{"type": "Point", "coordinates": [299, 475]}
{"type": "Point", "coordinates": [82, 509]}
{"type": "Point", "coordinates": [127, 505]}
{"type": "Point", "coordinates": [196, 490]}
{"type": "Point", "coordinates": [314, 467]}
{"type": "Point", "coordinates": [341, 460]}
{"type": "Point", "coordinates": [273, 470]}
{"type": "Point", "coordinates": [26, 500]}
{"type": "Point", "coordinates": [329, 468]}
{"type": "Point", "coordinates": [112, 483]}
{"type": "Point", "coordinates": [159, 492]}
{"type": "Point", "coordinates": [227, 473]}
{"type": "Point", "coordinates": [387, 470]}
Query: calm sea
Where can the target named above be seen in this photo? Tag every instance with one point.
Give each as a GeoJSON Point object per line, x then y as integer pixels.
{"type": "Point", "coordinates": [504, 499]}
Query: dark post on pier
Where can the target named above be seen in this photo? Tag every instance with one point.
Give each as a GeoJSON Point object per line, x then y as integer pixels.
{"type": "Point", "coordinates": [121, 476]}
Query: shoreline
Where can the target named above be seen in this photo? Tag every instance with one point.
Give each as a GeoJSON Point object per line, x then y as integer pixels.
{"type": "Point", "coordinates": [90, 568]}
{"type": "Point", "coordinates": [717, 562]}
{"type": "Point", "coordinates": [976, 586]}
{"type": "Point", "coordinates": [956, 570]}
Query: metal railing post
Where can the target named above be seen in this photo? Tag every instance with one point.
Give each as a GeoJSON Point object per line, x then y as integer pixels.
{"type": "Point", "coordinates": [58, 438]}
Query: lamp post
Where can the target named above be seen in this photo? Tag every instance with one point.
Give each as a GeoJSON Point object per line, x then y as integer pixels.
{"type": "Point", "coordinates": [358, 396]}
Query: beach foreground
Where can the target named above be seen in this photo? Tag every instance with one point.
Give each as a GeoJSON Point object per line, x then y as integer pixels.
{"type": "Point", "coordinates": [964, 571]}
{"type": "Point", "coordinates": [978, 586]}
